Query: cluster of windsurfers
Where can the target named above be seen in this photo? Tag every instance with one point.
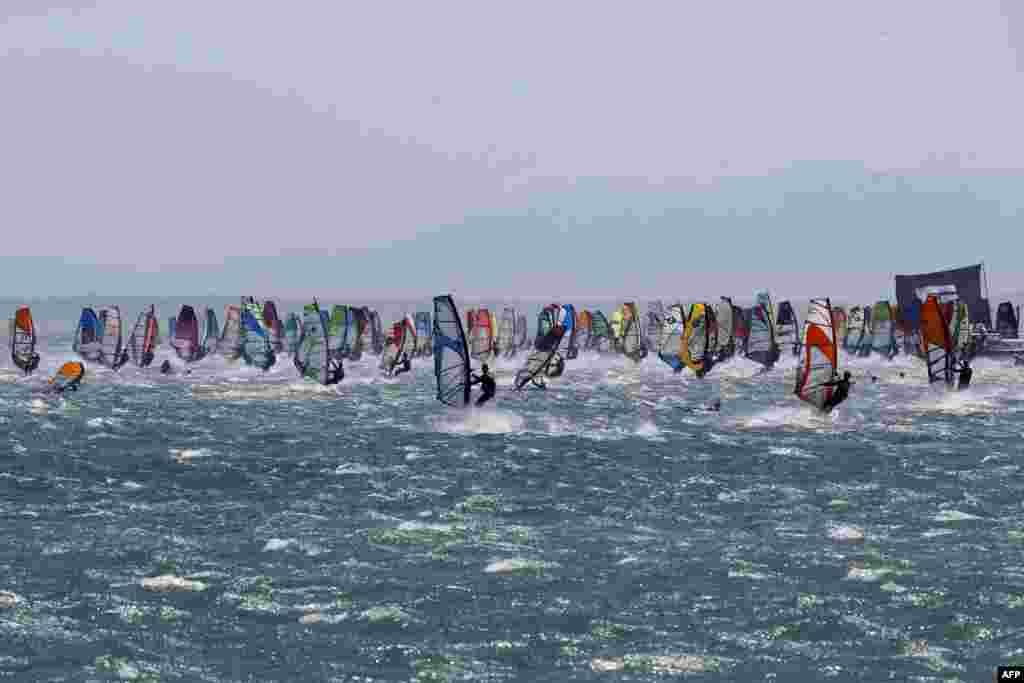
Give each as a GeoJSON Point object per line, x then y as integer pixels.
{"type": "Point", "coordinates": [698, 339]}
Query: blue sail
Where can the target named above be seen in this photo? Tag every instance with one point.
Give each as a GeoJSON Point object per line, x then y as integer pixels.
{"type": "Point", "coordinates": [256, 349]}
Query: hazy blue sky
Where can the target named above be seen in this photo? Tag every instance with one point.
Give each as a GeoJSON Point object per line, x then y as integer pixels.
{"type": "Point", "coordinates": [530, 148]}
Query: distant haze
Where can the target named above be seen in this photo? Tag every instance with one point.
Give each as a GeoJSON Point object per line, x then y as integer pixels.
{"type": "Point", "coordinates": [573, 149]}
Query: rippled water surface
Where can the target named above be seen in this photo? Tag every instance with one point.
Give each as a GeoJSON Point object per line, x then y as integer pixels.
{"type": "Point", "coordinates": [588, 532]}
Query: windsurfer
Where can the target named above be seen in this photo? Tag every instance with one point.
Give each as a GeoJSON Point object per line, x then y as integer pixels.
{"type": "Point", "coordinates": [165, 367]}
{"type": "Point", "coordinates": [57, 387]}
{"type": "Point", "coordinates": [556, 367]}
{"type": "Point", "coordinates": [404, 365]}
{"type": "Point", "coordinates": [965, 372]}
{"type": "Point", "coordinates": [487, 384]}
{"type": "Point", "coordinates": [33, 363]}
{"type": "Point", "coordinates": [841, 390]}
{"type": "Point", "coordinates": [335, 372]}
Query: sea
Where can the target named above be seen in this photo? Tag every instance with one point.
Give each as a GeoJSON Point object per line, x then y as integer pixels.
{"type": "Point", "coordinates": [233, 525]}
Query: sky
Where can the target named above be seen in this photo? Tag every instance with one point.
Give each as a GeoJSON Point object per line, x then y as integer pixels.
{"type": "Point", "coordinates": [595, 149]}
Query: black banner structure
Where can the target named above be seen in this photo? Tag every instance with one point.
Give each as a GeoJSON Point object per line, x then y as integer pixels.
{"type": "Point", "coordinates": [965, 283]}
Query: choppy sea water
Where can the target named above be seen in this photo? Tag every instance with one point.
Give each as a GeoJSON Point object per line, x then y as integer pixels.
{"type": "Point", "coordinates": [608, 528]}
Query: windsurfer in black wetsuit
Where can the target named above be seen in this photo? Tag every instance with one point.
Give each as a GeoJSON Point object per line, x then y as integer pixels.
{"type": "Point", "coordinates": [965, 372]}
{"type": "Point", "coordinates": [841, 390]}
{"type": "Point", "coordinates": [33, 363]}
{"type": "Point", "coordinates": [556, 367]}
{"type": "Point", "coordinates": [165, 367]}
{"type": "Point", "coordinates": [404, 365]}
{"type": "Point", "coordinates": [335, 371]}
{"type": "Point", "coordinates": [487, 385]}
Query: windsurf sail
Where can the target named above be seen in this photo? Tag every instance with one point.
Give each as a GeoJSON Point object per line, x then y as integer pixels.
{"type": "Point", "coordinates": [902, 328]}
{"type": "Point", "coordinates": [600, 332]}
{"type": "Point", "coordinates": [360, 334]}
{"type": "Point", "coordinates": [1007, 323]}
{"type": "Point", "coordinates": [867, 341]}
{"type": "Point", "coordinates": [522, 331]}
{"type": "Point", "coordinates": [392, 347]}
{"type": "Point", "coordinates": [701, 339]}
{"type": "Point", "coordinates": [616, 327]}
{"type": "Point", "coordinates": [68, 376]}
{"type": "Point", "coordinates": [230, 343]}
{"type": "Point", "coordinates": [583, 323]}
{"type": "Point", "coordinates": [787, 328]}
{"type": "Point", "coordinates": [883, 331]}
{"type": "Point", "coordinates": [655, 316]}
{"type": "Point", "coordinates": [88, 335]}
{"type": "Point", "coordinates": [293, 333]}
{"type": "Point", "coordinates": [545, 321]}
{"type": "Point", "coordinates": [567, 346]}
{"type": "Point", "coordinates": [726, 323]}
{"type": "Point", "coordinates": [23, 340]}
{"type": "Point", "coordinates": [671, 338]}
{"type": "Point", "coordinates": [961, 330]}
{"type": "Point", "coordinates": [400, 343]}
{"type": "Point", "coordinates": [211, 333]}
{"type": "Point", "coordinates": [839, 318]}
{"type": "Point", "coordinates": [142, 340]}
{"type": "Point", "coordinates": [632, 339]}
{"type": "Point", "coordinates": [272, 324]}
{"type": "Point", "coordinates": [854, 330]}
{"type": "Point", "coordinates": [741, 323]}
{"type": "Point", "coordinates": [312, 359]}
{"type": "Point", "coordinates": [424, 344]}
{"type": "Point", "coordinates": [186, 336]}
{"type": "Point", "coordinates": [505, 344]}
{"type": "Point", "coordinates": [551, 319]}
{"type": "Point", "coordinates": [820, 357]}
{"type": "Point", "coordinates": [256, 348]}
{"type": "Point", "coordinates": [451, 354]}
{"type": "Point", "coordinates": [376, 332]}
{"type": "Point", "coordinates": [936, 343]}
{"type": "Point", "coordinates": [112, 351]}
{"type": "Point", "coordinates": [481, 336]}
{"type": "Point", "coordinates": [409, 338]}
{"type": "Point", "coordinates": [761, 344]}
{"type": "Point", "coordinates": [339, 327]}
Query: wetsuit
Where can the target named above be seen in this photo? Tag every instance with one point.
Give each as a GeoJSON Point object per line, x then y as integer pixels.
{"type": "Point", "coordinates": [841, 390]}
{"type": "Point", "coordinates": [556, 367]}
{"type": "Point", "coordinates": [32, 364]}
{"type": "Point", "coordinates": [335, 372]}
{"type": "Point", "coordinates": [965, 377]}
{"type": "Point", "coordinates": [404, 366]}
{"type": "Point", "coordinates": [488, 387]}
{"type": "Point", "coordinates": [165, 367]}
